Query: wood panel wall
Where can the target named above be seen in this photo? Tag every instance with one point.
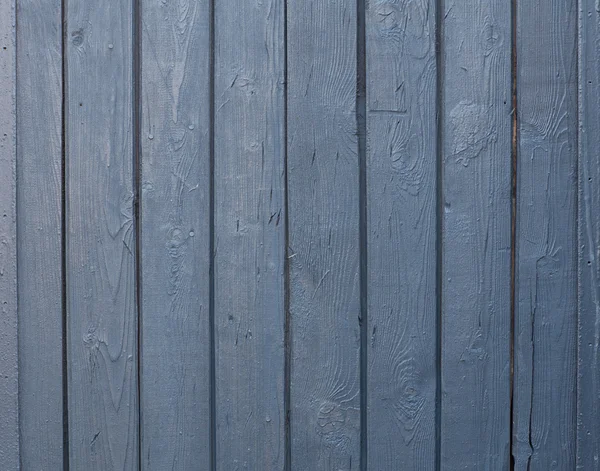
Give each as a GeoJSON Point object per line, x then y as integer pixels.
{"type": "Point", "coordinates": [312, 235]}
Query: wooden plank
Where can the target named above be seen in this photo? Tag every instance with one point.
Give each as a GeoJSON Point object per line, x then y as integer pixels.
{"type": "Point", "coordinates": [249, 215]}
{"type": "Point", "coordinates": [39, 196]}
{"type": "Point", "coordinates": [323, 186]}
{"type": "Point", "coordinates": [588, 374]}
{"type": "Point", "coordinates": [476, 241]}
{"type": "Point", "coordinates": [101, 294]}
{"type": "Point", "coordinates": [9, 369]}
{"type": "Point", "coordinates": [401, 207]}
{"type": "Point", "coordinates": [546, 279]}
{"type": "Point", "coordinates": [175, 348]}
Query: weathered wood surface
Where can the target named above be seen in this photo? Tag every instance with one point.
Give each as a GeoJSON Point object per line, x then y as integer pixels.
{"type": "Point", "coordinates": [327, 266]}
{"type": "Point", "coordinates": [323, 189]}
{"type": "Point", "coordinates": [546, 258]}
{"type": "Point", "coordinates": [476, 236]}
{"type": "Point", "coordinates": [175, 192]}
{"type": "Point", "coordinates": [249, 216]}
{"type": "Point", "coordinates": [401, 207]}
{"type": "Point", "coordinates": [40, 218]}
{"type": "Point", "coordinates": [9, 370]}
{"type": "Point", "coordinates": [100, 239]}
{"type": "Point", "coordinates": [588, 374]}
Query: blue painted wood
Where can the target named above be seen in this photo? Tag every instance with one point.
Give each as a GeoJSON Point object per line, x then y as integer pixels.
{"type": "Point", "coordinates": [323, 186]}
{"type": "Point", "coordinates": [588, 372]}
{"type": "Point", "coordinates": [100, 239]}
{"type": "Point", "coordinates": [546, 257]}
{"type": "Point", "coordinates": [249, 225]}
{"type": "Point", "coordinates": [40, 218]}
{"type": "Point", "coordinates": [476, 226]}
{"type": "Point", "coordinates": [223, 100]}
{"type": "Point", "coordinates": [175, 210]}
{"type": "Point", "coordinates": [402, 236]}
{"type": "Point", "coordinates": [9, 401]}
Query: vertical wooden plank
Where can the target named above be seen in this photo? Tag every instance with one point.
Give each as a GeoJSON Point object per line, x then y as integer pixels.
{"type": "Point", "coordinates": [546, 263]}
{"type": "Point", "coordinates": [249, 217]}
{"type": "Point", "coordinates": [401, 207]}
{"type": "Point", "coordinates": [9, 377]}
{"type": "Point", "coordinates": [175, 347]}
{"type": "Point", "coordinates": [588, 375]}
{"type": "Point", "coordinates": [39, 196]}
{"type": "Point", "coordinates": [476, 259]}
{"type": "Point", "coordinates": [102, 314]}
{"type": "Point", "coordinates": [323, 188]}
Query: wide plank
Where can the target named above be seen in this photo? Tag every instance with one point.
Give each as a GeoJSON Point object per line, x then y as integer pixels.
{"type": "Point", "coordinates": [476, 242]}
{"type": "Point", "coordinates": [175, 200]}
{"type": "Point", "coordinates": [9, 382]}
{"type": "Point", "coordinates": [402, 234]}
{"type": "Point", "coordinates": [324, 239]}
{"type": "Point", "coordinates": [40, 219]}
{"type": "Point", "coordinates": [544, 420]}
{"type": "Point", "coordinates": [249, 238]}
{"type": "Point", "coordinates": [100, 239]}
{"type": "Point", "coordinates": [588, 369]}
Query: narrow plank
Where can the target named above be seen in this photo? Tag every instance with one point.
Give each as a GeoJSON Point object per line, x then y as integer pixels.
{"type": "Point", "coordinates": [175, 347]}
{"type": "Point", "coordinates": [546, 259]}
{"type": "Point", "coordinates": [249, 215]}
{"type": "Point", "coordinates": [39, 197]}
{"type": "Point", "coordinates": [588, 374]}
{"type": "Point", "coordinates": [401, 207]}
{"type": "Point", "coordinates": [101, 309]}
{"type": "Point", "coordinates": [476, 241]}
{"type": "Point", "coordinates": [323, 189]}
{"type": "Point", "coordinates": [9, 369]}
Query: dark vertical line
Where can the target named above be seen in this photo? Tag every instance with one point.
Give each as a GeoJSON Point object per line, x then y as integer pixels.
{"type": "Point", "coordinates": [439, 16]}
{"type": "Point", "coordinates": [286, 263]}
{"type": "Point", "coordinates": [63, 230]}
{"type": "Point", "coordinates": [513, 223]}
{"type": "Point", "coordinates": [211, 244]}
{"type": "Point", "coordinates": [578, 98]}
{"type": "Point", "coordinates": [136, 174]}
{"type": "Point", "coordinates": [361, 123]}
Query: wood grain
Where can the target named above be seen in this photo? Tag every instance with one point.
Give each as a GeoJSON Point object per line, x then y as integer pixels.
{"type": "Point", "coordinates": [476, 227]}
{"type": "Point", "coordinates": [9, 369]}
{"type": "Point", "coordinates": [39, 209]}
{"type": "Point", "coordinates": [236, 101]}
{"type": "Point", "coordinates": [249, 151]}
{"type": "Point", "coordinates": [546, 264]}
{"type": "Point", "coordinates": [323, 188]}
{"type": "Point", "coordinates": [175, 347]}
{"type": "Point", "coordinates": [401, 207]}
{"type": "Point", "coordinates": [101, 293]}
{"type": "Point", "coordinates": [588, 372]}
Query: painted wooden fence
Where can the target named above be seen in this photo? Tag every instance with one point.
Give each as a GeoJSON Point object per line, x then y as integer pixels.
{"type": "Point", "coordinates": [299, 235]}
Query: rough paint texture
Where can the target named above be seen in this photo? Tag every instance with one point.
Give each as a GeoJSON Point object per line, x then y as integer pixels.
{"type": "Point", "coordinates": [476, 227]}
{"type": "Point", "coordinates": [401, 207]}
{"type": "Point", "coordinates": [175, 188]}
{"type": "Point", "coordinates": [39, 198]}
{"type": "Point", "coordinates": [100, 239]}
{"type": "Point", "coordinates": [324, 235]}
{"type": "Point", "coordinates": [546, 258]}
{"type": "Point", "coordinates": [349, 163]}
{"type": "Point", "coordinates": [249, 235]}
{"type": "Point", "coordinates": [9, 403]}
{"type": "Point", "coordinates": [588, 374]}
